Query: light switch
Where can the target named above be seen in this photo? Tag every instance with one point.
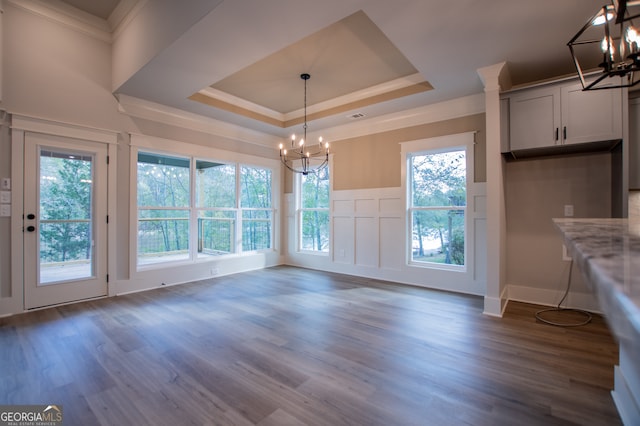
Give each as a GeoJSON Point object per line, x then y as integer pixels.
{"type": "Point", "coordinates": [5, 197]}
{"type": "Point", "coordinates": [5, 210]}
{"type": "Point", "coordinates": [6, 183]}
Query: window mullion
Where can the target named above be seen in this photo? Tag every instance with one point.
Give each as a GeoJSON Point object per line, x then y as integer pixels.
{"type": "Point", "coordinates": [239, 218]}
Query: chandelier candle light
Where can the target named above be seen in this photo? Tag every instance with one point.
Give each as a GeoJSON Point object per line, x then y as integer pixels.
{"type": "Point", "coordinates": [609, 43]}
{"type": "Point", "coordinates": [302, 158]}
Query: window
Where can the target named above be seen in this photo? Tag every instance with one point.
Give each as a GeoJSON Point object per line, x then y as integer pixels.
{"type": "Point", "coordinates": [175, 224]}
{"type": "Point", "coordinates": [163, 208]}
{"type": "Point", "coordinates": [314, 211]}
{"type": "Point", "coordinates": [216, 204]}
{"type": "Point", "coordinates": [437, 205]}
{"type": "Point", "coordinates": [257, 214]}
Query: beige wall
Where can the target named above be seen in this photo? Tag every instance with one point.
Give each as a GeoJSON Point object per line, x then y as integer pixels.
{"type": "Point", "coordinates": [537, 191]}
{"type": "Point", "coordinates": [373, 161]}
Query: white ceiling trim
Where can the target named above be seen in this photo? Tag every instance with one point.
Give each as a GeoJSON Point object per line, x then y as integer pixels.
{"type": "Point", "coordinates": [68, 16]}
{"type": "Point", "coordinates": [380, 89]}
{"type": "Point", "coordinates": [123, 14]}
{"type": "Point", "coordinates": [59, 128]}
{"type": "Point", "coordinates": [455, 108]}
{"type": "Point", "coordinates": [433, 113]}
{"type": "Point", "coordinates": [242, 103]}
{"type": "Point", "coordinates": [140, 108]}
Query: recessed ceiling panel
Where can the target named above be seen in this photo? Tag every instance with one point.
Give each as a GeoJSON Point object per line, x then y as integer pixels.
{"type": "Point", "coordinates": [350, 55]}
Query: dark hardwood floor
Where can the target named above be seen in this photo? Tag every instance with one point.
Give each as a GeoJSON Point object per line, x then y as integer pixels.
{"type": "Point", "coordinates": [288, 346]}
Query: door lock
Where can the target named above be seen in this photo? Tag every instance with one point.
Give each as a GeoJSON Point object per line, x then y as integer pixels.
{"type": "Point", "coordinates": [31, 228]}
{"type": "Point", "coordinates": [31, 216]}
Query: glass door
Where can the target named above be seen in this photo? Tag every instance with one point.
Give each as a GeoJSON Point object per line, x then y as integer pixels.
{"type": "Point", "coordinates": [64, 221]}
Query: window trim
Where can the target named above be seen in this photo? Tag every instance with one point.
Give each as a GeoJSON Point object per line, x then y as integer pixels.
{"type": "Point", "coordinates": [136, 219]}
{"type": "Point", "coordinates": [239, 249]}
{"type": "Point", "coordinates": [196, 152]}
{"type": "Point", "coordinates": [429, 146]}
{"type": "Point", "coordinates": [300, 210]}
{"type": "Point", "coordinates": [196, 211]}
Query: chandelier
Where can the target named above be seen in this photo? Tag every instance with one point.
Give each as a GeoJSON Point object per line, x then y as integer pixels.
{"type": "Point", "coordinates": [609, 43]}
{"type": "Point", "coordinates": [302, 158]}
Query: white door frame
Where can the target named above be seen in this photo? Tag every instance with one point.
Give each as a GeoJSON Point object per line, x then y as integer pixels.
{"type": "Point", "coordinates": [89, 284]}
{"type": "Point", "coordinates": [14, 303]}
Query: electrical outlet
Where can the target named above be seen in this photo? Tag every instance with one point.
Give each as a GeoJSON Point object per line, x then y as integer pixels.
{"type": "Point", "coordinates": [5, 197]}
{"type": "Point", "coordinates": [5, 210]}
{"type": "Point", "coordinates": [568, 210]}
{"type": "Point", "coordinates": [565, 254]}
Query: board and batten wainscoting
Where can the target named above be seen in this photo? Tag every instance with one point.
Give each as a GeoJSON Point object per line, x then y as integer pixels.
{"type": "Point", "coordinates": [369, 239]}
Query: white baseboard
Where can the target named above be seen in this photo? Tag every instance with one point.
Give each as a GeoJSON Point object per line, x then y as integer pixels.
{"type": "Point", "coordinates": [549, 297]}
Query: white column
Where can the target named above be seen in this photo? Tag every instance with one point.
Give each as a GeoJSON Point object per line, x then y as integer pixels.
{"type": "Point", "coordinates": [495, 78]}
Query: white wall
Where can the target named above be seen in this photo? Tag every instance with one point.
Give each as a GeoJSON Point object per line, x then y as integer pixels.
{"type": "Point", "coordinates": [52, 71]}
{"type": "Point", "coordinates": [5, 222]}
{"type": "Point", "coordinates": [369, 239]}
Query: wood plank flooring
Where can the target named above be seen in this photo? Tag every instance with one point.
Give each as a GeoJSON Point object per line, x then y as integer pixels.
{"type": "Point", "coordinates": [289, 346]}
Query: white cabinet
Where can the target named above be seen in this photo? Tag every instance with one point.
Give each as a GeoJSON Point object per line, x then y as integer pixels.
{"type": "Point", "coordinates": [590, 116]}
{"type": "Point", "coordinates": [562, 114]}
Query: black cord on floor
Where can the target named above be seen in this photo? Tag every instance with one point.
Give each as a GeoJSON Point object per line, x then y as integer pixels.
{"type": "Point", "coordinates": [586, 314]}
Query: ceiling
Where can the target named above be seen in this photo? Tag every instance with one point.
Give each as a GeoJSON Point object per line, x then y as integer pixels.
{"type": "Point", "coordinates": [100, 8]}
{"type": "Point", "coordinates": [240, 61]}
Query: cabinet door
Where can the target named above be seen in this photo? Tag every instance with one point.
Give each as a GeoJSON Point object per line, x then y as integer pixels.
{"type": "Point", "coordinates": [591, 116]}
{"type": "Point", "coordinates": [535, 118]}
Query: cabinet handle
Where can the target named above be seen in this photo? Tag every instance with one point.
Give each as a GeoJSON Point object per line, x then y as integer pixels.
{"type": "Point", "coordinates": [557, 133]}
{"type": "Point", "coordinates": [564, 133]}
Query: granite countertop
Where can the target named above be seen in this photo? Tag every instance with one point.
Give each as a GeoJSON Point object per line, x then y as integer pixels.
{"type": "Point", "coordinates": [607, 251]}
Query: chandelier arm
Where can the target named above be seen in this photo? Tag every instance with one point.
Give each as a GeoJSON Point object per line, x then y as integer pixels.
{"type": "Point", "coordinates": [306, 170]}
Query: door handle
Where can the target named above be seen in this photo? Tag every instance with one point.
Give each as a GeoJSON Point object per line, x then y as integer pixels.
{"type": "Point", "coordinates": [31, 228]}
{"type": "Point", "coordinates": [564, 133]}
{"type": "Point", "coordinates": [557, 129]}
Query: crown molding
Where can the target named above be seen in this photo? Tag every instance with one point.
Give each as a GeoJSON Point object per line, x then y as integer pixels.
{"type": "Point", "coordinates": [60, 128]}
{"type": "Point", "coordinates": [141, 108]}
{"type": "Point", "coordinates": [71, 17]}
{"type": "Point", "coordinates": [447, 110]}
{"type": "Point", "coordinates": [359, 95]}
{"type": "Point", "coordinates": [123, 14]}
{"type": "Point", "coordinates": [64, 14]}
{"type": "Point", "coordinates": [495, 77]}
{"type": "Point", "coordinates": [225, 97]}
